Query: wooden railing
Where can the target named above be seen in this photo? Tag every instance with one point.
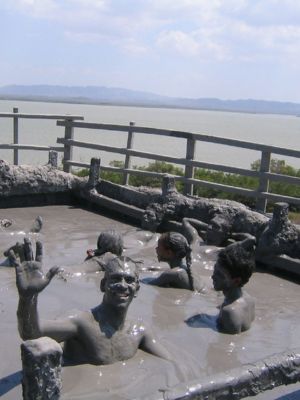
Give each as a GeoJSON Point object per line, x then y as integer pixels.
{"type": "Point", "coordinates": [16, 146]}
{"type": "Point", "coordinates": [189, 162]}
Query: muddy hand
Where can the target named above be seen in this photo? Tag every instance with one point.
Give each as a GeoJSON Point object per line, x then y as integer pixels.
{"type": "Point", "coordinates": [18, 251]}
{"type": "Point", "coordinates": [30, 278]}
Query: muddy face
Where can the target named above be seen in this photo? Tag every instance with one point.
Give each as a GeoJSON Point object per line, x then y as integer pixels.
{"type": "Point", "coordinates": [163, 253]}
{"type": "Point", "coordinates": [120, 285]}
{"type": "Point", "coordinates": [221, 278]}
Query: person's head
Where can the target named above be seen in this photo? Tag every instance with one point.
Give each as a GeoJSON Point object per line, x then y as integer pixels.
{"type": "Point", "coordinates": [110, 241]}
{"type": "Point", "coordinates": [120, 282]}
{"type": "Point", "coordinates": [235, 265]}
{"type": "Point", "coordinates": [217, 231]}
{"type": "Point", "coordinates": [172, 245]}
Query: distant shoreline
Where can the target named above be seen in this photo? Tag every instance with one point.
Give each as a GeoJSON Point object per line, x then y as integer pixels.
{"type": "Point", "coordinates": [136, 104]}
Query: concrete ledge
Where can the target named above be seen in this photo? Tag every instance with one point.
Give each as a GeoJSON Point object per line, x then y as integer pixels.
{"type": "Point", "coordinates": [282, 263]}
{"type": "Point", "coordinates": [41, 361]}
{"type": "Point", "coordinates": [128, 210]}
{"type": "Point", "coordinates": [249, 380]}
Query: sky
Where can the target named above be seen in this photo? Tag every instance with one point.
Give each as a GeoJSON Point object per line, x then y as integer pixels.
{"type": "Point", "coordinates": [228, 49]}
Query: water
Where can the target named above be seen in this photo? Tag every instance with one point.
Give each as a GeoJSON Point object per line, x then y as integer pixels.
{"type": "Point", "coordinates": [277, 130]}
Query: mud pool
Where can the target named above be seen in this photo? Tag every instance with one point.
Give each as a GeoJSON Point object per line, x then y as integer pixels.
{"type": "Point", "coordinates": [182, 320]}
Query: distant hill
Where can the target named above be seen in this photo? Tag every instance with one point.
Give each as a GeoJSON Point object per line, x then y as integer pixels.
{"type": "Point", "coordinates": [119, 96]}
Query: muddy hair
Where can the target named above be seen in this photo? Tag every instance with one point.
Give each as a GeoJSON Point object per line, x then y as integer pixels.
{"type": "Point", "coordinates": [180, 247]}
{"type": "Point", "coordinates": [239, 259]}
{"type": "Point", "coordinates": [110, 241]}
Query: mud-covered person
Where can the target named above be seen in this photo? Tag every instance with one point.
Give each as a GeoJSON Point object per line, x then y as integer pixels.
{"type": "Point", "coordinates": [174, 249]}
{"type": "Point", "coordinates": [233, 269]}
{"type": "Point", "coordinates": [109, 244]}
{"type": "Point", "coordinates": [98, 336]}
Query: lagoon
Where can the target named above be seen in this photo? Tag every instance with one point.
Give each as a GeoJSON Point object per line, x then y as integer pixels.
{"type": "Point", "coordinates": [272, 129]}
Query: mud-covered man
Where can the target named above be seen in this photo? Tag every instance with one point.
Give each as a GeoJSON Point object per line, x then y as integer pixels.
{"type": "Point", "coordinates": [101, 335]}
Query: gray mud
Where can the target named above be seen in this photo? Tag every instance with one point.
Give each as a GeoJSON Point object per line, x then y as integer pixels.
{"type": "Point", "coordinates": [182, 320]}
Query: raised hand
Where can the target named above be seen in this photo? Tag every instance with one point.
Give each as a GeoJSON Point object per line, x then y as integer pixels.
{"type": "Point", "coordinates": [30, 278]}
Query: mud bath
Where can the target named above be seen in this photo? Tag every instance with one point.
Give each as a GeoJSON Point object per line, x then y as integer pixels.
{"type": "Point", "coordinates": [181, 320]}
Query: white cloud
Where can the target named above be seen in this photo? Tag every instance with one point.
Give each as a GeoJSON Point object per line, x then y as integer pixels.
{"type": "Point", "coordinates": [214, 29]}
{"type": "Point", "coordinates": [278, 42]}
{"type": "Point", "coordinates": [134, 47]}
{"type": "Point", "coordinates": [197, 43]}
{"type": "Point", "coordinates": [35, 8]}
{"type": "Point", "coordinates": [179, 41]}
{"type": "Point", "coordinates": [97, 4]}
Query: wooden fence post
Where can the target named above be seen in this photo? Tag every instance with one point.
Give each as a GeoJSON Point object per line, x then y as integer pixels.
{"type": "Point", "coordinates": [189, 171]}
{"type": "Point", "coordinates": [68, 149]}
{"type": "Point", "coordinates": [16, 136]}
{"type": "Point", "coordinates": [94, 173]}
{"type": "Point", "coordinates": [52, 160]}
{"type": "Point", "coordinates": [261, 203]}
{"type": "Point", "coordinates": [128, 157]}
{"type": "Point", "coordinates": [168, 185]}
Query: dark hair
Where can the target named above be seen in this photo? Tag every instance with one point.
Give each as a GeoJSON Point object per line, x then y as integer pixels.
{"type": "Point", "coordinates": [180, 246]}
{"type": "Point", "coordinates": [111, 241]}
{"type": "Point", "coordinates": [239, 259]}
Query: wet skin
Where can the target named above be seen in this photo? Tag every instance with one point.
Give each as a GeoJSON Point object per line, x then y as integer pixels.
{"type": "Point", "coordinates": [221, 278]}
{"type": "Point", "coordinates": [120, 287]}
{"type": "Point", "coordinates": [238, 309]}
{"type": "Point", "coordinates": [164, 253]}
{"type": "Point", "coordinates": [177, 276]}
{"type": "Point", "coordinates": [113, 340]}
{"type": "Point", "coordinates": [99, 336]}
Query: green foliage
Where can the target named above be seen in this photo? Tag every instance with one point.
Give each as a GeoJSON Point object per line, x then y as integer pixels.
{"type": "Point", "coordinates": [225, 179]}
{"type": "Point", "coordinates": [82, 172]}
{"type": "Point", "coordinates": [280, 167]}
{"type": "Point", "coordinates": [113, 176]}
{"type": "Point", "coordinates": [157, 166]}
{"type": "Point", "coordinates": [277, 167]}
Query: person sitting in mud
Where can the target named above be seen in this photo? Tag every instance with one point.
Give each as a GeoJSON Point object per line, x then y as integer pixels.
{"type": "Point", "coordinates": [214, 233]}
{"type": "Point", "coordinates": [109, 244]}
{"type": "Point", "coordinates": [99, 336]}
{"type": "Point", "coordinates": [233, 269]}
{"type": "Point", "coordinates": [172, 248]}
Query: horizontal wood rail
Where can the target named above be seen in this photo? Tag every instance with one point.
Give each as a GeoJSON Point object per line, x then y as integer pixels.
{"type": "Point", "coordinates": [16, 146]}
{"type": "Point", "coordinates": [183, 135]}
{"type": "Point", "coordinates": [30, 147]}
{"type": "Point", "coordinates": [41, 116]}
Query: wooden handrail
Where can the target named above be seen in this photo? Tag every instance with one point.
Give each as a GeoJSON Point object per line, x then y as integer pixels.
{"type": "Point", "coordinates": [183, 135]}
{"type": "Point", "coordinates": [41, 116]}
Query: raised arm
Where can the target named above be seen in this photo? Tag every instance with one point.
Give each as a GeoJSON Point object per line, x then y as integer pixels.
{"type": "Point", "coordinates": [192, 229]}
{"type": "Point", "coordinates": [30, 281]}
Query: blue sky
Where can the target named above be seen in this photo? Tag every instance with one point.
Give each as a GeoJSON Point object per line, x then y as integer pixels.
{"type": "Point", "coordinates": [230, 49]}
